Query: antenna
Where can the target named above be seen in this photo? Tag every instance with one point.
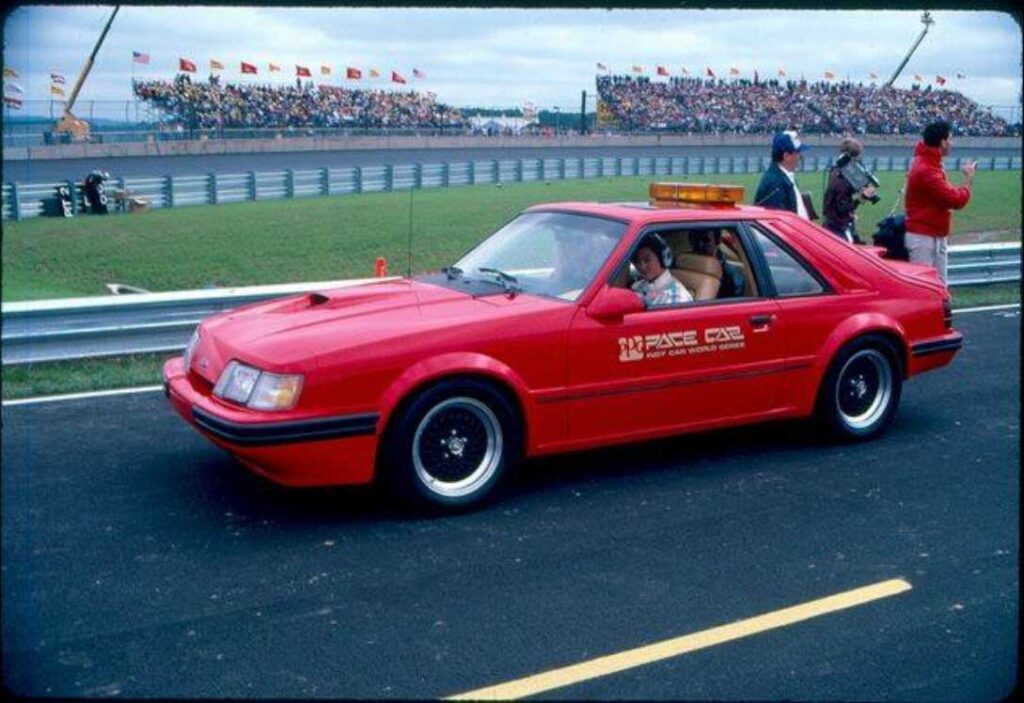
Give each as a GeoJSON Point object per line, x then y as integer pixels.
{"type": "Point", "coordinates": [927, 21]}
{"type": "Point", "coordinates": [408, 268]}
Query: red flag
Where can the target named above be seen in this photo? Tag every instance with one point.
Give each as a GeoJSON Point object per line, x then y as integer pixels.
{"type": "Point", "coordinates": [662, 71]}
{"type": "Point", "coordinates": [186, 66]}
{"type": "Point", "coordinates": [940, 80]}
{"type": "Point", "coordinates": [248, 68]}
{"type": "Point", "coordinates": [353, 73]}
{"type": "Point", "coordinates": [139, 57]}
{"type": "Point", "coordinates": [417, 73]}
{"type": "Point", "coordinates": [710, 72]}
{"type": "Point", "coordinates": [396, 77]}
{"type": "Point", "coordinates": [303, 72]}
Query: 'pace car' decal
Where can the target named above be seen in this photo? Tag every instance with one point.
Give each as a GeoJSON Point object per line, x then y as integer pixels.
{"type": "Point", "coordinates": [657, 346]}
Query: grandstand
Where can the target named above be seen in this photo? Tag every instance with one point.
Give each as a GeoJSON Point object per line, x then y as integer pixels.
{"type": "Point", "coordinates": [701, 106]}
{"type": "Point", "coordinates": [203, 105]}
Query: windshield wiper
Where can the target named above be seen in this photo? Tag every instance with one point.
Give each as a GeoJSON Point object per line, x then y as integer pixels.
{"type": "Point", "coordinates": [509, 282]}
{"type": "Point", "coordinates": [452, 272]}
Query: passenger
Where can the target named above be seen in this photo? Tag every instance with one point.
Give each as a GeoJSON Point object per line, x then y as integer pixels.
{"type": "Point", "coordinates": [707, 243]}
{"type": "Point", "coordinates": [657, 286]}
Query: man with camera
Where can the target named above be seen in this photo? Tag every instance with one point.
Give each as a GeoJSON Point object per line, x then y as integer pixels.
{"type": "Point", "coordinates": [849, 184]}
{"type": "Point", "coordinates": [931, 198]}
{"type": "Point", "coordinates": [777, 189]}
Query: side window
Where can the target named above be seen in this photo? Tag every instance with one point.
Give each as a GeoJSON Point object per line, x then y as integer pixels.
{"type": "Point", "coordinates": [790, 276]}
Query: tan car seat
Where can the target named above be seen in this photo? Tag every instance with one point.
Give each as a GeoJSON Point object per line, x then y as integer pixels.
{"type": "Point", "coordinates": [701, 274]}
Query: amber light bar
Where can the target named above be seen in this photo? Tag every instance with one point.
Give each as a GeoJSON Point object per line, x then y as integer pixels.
{"type": "Point", "coordinates": [695, 194]}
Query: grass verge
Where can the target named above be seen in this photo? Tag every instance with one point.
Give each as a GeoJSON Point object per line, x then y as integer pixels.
{"type": "Point", "coordinates": [58, 377]}
{"type": "Point", "coordinates": [331, 238]}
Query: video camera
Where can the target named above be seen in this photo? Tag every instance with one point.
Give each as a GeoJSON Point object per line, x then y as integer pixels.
{"type": "Point", "coordinates": [857, 174]}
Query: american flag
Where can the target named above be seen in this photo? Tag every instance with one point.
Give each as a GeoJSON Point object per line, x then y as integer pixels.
{"type": "Point", "coordinates": [139, 57]}
{"type": "Point", "coordinates": [57, 78]}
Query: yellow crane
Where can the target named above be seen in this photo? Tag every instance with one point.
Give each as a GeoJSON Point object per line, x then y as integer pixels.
{"type": "Point", "coordinates": [69, 124]}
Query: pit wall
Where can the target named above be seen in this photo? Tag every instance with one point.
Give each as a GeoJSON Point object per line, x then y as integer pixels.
{"type": "Point", "coordinates": [204, 146]}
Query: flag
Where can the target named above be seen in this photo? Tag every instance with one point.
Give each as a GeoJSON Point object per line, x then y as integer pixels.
{"type": "Point", "coordinates": [396, 77]}
{"type": "Point", "coordinates": [303, 72]}
{"type": "Point", "coordinates": [940, 80]}
{"type": "Point", "coordinates": [13, 88]}
{"type": "Point", "coordinates": [10, 73]}
{"type": "Point", "coordinates": [274, 67]}
{"type": "Point", "coordinates": [186, 66]}
{"type": "Point", "coordinates": [918, 78]}
{"type": "Point", "coordinates": [325, 70]}
{"type": "Point", "coordinates": [11, 101]}
{"type": "Point", "coordinates": [662, 71]}
{"type": "Point", "coordinates": [734, 71]}
{"type": "Point", "coordinates": [685, 72]}
{"type": "Point", "coordinates": [755, 76]}
{"type": "Point", "coordinates": [417, 73]}
{"type": "Point", "coordinates": [57, 90]}
{"type": "Point", "coordinates": [638, 69]}
{"type": "Point", "coordinates": [710, 72]}
{"type": "Point", "coordinates": [960, 76]}
{"type": "Point", "coordinates": [782, 72]}
{"type": "Point", "coordinates": [248, 68]}
{"type": "Point", "coordinates": [57, 78]}
{"type": "Point", "coordinates": [601, 67]}
{"type": "Point", "coordinates": [353, 73]}
{"type": "Point", "coordinates": [216, 65]}
{"type": "Point", "coordinates": [374, 73]}
{"type": "Point", "coordinates": [872, 76]}
{"type": "Point", "coordinates": [829, 75]}
{"type": "Point", "coordinates": [139, 57]}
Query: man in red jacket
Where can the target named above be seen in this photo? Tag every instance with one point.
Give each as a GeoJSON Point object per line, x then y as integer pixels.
{"type": "Point", "coordinates": [930, 197]}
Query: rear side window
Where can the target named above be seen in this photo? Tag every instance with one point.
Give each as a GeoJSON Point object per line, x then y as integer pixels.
{"type": "Point", "coordinates": [791, 277]}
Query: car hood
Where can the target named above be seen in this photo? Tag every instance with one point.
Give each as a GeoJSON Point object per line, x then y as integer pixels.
{"type": "Point", "coordinates": [288, 333]}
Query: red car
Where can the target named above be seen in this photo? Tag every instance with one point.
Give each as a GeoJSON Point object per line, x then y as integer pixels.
{"type": "Point", "coordinates": [534, 343]}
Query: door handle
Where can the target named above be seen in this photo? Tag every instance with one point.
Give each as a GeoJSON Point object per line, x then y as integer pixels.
{"type": "Point", "coordinates": [761, 323]}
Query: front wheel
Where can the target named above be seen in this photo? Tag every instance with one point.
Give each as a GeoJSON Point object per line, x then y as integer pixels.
{"type": "Point", "coordinates": [862, 389]}
{"type": "Point", "coordinates": [451, 445]}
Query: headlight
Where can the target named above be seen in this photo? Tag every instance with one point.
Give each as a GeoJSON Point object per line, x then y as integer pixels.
{"type": "Point", "coordinates": [191, 349]}
{"type": "Point", "coordinates": [257, 389]}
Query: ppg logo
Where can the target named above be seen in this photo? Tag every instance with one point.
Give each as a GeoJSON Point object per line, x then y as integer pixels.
{"type": "Point", "coordinates": [631, 348]}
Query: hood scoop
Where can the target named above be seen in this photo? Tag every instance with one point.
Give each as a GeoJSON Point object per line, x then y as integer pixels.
{"type": "Point", "coordinates": [317, 299]}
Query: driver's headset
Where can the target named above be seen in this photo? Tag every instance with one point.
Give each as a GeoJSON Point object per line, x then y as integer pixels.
{"type": "Point", "coordinates": [661, 247]}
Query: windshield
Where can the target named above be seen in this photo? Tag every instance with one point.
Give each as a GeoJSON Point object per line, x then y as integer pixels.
{"type": "Point", "coordinates": [547, 253]}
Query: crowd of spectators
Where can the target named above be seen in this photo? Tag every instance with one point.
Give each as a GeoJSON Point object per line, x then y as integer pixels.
{"type": "Point", "coordinates": [208, 104]}
{"type": "Point", "coordinates": [708, 105]}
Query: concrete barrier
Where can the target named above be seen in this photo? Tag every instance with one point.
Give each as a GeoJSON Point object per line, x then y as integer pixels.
{"type": "Point", "coordinates": [286, 143]}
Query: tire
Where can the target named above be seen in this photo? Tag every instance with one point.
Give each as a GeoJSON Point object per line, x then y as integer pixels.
{"type": "Point", "coordinates": [861, 391]}
{"type": "Point", "coordinates": [450, 447]}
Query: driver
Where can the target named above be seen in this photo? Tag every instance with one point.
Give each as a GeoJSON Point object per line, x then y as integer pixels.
{"type": "Point", "coordinates": [657, 286]}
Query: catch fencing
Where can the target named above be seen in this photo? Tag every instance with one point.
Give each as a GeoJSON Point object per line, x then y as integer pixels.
{"type": "Point", "coordinates": [26, 200]}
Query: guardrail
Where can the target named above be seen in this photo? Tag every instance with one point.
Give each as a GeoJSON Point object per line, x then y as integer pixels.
{"type": "Point", "coordinates": [24, 200]}
{"type": "Point", "coordinates": [78, 328]}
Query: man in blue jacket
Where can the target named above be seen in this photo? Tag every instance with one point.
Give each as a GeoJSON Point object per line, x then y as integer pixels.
{"type": "Point", "coordinates": [777, 189]}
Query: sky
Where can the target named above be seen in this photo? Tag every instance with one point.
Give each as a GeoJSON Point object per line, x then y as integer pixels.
{"type": "Point", "coordinates": [507, 57]}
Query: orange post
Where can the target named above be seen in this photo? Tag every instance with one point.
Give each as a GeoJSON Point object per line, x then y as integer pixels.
{"type": "Point", "coordinates": [380, 270]}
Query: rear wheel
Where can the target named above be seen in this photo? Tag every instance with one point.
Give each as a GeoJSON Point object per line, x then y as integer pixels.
{"type": "Point", "coordinates": [861, 390]}
{"type": "Point", "coordinates": [451, 445]}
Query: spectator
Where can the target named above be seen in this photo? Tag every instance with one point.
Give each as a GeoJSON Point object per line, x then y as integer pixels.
{"type": "Point", "coordinates": [930, 197]}
{"type": "Point", "coordinates": [778, 189]}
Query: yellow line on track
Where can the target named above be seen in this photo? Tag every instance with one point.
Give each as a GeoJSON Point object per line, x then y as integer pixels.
{"type": "Point", "coordinates": [613, 663]}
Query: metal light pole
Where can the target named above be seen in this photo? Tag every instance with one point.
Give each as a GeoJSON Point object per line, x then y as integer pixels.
{"type": "Point", "coordinates": [927, 21]}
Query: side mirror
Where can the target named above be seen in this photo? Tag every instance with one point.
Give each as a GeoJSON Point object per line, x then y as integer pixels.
{"type": "Point", "coordinates": [612, 304]}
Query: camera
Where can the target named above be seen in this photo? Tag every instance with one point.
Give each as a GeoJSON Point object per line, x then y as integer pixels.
{"type": "Point", "coordinates": [857, 174]}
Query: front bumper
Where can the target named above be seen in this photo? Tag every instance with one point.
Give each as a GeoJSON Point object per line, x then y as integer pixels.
{"type": "Point", "coordinates": [293, 452]}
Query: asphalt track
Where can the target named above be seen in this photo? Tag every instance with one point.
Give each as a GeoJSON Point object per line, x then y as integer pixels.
{"type": "Point", "coordinates": [47, 170]}
{"type": "Point", "coordinates": [139, 560]}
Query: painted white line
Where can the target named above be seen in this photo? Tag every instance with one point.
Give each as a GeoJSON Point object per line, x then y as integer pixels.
{"type": "Point", "coordinates": [612, 663]}
{"type": "Point", "coordinates": [1007, 306]}
{"type": "Point", "coordinates": [81, 396]}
